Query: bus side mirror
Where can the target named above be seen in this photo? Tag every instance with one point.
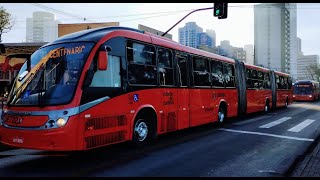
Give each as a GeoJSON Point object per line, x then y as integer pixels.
{"type": "Point", "coordinates": [103, 57]}
{"type": "Point", "coordinates": [103, 60]}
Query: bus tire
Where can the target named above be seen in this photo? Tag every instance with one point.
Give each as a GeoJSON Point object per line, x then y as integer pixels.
{"type": "Point", "coordinates": [267, 107]}
{"type": "Point", "coordinates": [142, 132]}
{"type": "Point", "coordinates": [221, 115]}
{"type": "Point", "coordinates": [286, 104]}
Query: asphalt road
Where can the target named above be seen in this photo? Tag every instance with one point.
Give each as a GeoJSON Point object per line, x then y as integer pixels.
{"type": "Point", "coordinates": [256, 146]}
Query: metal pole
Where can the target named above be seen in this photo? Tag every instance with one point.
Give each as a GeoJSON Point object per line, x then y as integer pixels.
{"type": "Point", "coordinates": [185, 17]}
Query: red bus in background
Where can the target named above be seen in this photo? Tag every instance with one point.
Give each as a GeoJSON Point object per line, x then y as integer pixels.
{"type": "Point", "coordinates": [109, 85]}
{"type": "Point", "coordinates": [306, 90]}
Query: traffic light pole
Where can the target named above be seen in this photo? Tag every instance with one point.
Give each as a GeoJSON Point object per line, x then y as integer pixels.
{"type": "Point", "coordinates": [202, 9]}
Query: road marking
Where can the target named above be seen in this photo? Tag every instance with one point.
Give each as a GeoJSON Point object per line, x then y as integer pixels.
{"type": "Point", "coordinates": [267, 171]}
{"type": "Point", "coordinates": [274, 123]}
{"type": "Point", "coordinates": [301, 126]}
{"type": "Point", "coordinates": [250, 120]}
{"type": "Point", "coordinates": [267, 134]}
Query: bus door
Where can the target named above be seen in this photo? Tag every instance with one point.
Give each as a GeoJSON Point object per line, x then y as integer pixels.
{"type": "Point", "coordinates": [183, 92]}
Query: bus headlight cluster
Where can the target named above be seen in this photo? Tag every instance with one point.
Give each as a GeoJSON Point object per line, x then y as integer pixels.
{"type": "Point", "coordinates": [310, 95]}
{"type": "Point", "coordinates": [60, 122]}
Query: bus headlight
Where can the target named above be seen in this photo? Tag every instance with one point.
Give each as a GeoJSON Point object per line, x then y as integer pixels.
{"type": "Point", "coordinates": [56, 123]}
{"type": "Point", "coordinates": [294, 95]}
{"type": "Point", "coordinates": [61, 122]}
{"type": "Point", "coordinates": [310, 95]}
{"type": "Point", "coordinates": [51, 123]}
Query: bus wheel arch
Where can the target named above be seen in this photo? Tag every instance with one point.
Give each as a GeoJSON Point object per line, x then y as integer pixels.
{"type": "Point", "coordinates": [222, 112]}
{"type": "Point", "coordinates": [144, 128]}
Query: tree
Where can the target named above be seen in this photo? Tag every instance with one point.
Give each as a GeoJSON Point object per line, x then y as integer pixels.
{"type": "Point", "coordinates": [313, 72]}
{"type": "Point", "coordinates": [6, 22]}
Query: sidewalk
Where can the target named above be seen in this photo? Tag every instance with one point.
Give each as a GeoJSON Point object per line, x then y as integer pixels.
{"type": "Point", "coordinates": [310, 165]}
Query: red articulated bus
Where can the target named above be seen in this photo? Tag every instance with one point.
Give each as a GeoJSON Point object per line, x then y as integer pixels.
{"type": "Point", "coordinates": [306, 90]}
{"type": "Point", "coordinates": [109, 85]}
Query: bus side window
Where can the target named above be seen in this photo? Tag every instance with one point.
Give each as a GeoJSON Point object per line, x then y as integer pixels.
{"type": "Point", "coordinates": [182, 67]}
{"type": "Point", "coordinates": [277, 81]}
{"type": "Point", "coordinates": [216, 74]}
{"type": "Point", "coordinates": [110, 77]}
{"type": "Point", "coordinates": [201, 71]}
{"type": "Point", "coordinates": [141, 64]}
{"type": "Point", "coordinates": [248, 76]}
{"type": "Point", "coordinates": [165, 67]}
{"type": "Point", "coordinates": [228, 70]}
{"type": "Point", "coordinates": [266, 82]}
{"type": "Point", "coordinates": [289, 83]}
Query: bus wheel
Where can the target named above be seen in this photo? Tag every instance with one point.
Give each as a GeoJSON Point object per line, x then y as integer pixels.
{"type": "Point", "coordinates": [286, 104]}
{"type": "Point", "coordinates": [266, 107]}
{"type": "Point", "coordinates": [221, 115]}
{"type": "Point", "coordinates": [141, 132]}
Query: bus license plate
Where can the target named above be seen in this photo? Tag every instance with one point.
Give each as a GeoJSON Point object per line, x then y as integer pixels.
{"type": "Point", "coordinates": [18, 140]}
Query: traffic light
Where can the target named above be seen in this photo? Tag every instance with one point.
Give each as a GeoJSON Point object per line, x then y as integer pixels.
{"type": "Point", "coordinates": [220, 10]}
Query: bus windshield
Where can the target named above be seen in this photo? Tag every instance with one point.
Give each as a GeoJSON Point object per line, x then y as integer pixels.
{"type": "Point", "coordinates": [303, 89]}
{"type": "Point", "coordinates": [51, 76]}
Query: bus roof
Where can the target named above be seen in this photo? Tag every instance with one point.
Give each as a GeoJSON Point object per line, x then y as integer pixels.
{"type": "Point", "coordinates": [96, 34]}
{"type": "Point", "coordinates": [257, 67]}
{"type": "Point", "coordinates": [90, 34]}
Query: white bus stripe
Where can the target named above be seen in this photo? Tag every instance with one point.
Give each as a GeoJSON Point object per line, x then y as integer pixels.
{"type": "Point", "coordinates": [274, 123]}
{"type": "Point", "coordinates": [267, 134]}
{"type": "Point", "coordinates": [302, 125]}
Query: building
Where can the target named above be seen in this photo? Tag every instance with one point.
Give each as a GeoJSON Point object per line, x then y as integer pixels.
{"type": "Point", "coordinates": [225, 48]}
{"type": "Point", "coordinates": [153, 31]}
{"type": "Point", "coordinates": [212, 34]}
{"type": "Point", "coordinates": [64, 29]}
{"type": "Point", "coordinates": [275, 36]}
{"type": "Point", "coordinates": [239, 54]}
{"type": "Point", "coordinates": [188, 34]}
{"type": "Point", "coordinates": [249, 53]}
{"type": "Point", "coordinates": [203, 39]}
{"type": "Point", "coordinates": [299, 49]}
{"type": "Point", "coordinates": [42, 27]}
{"type": "Point", "coordinates": [304, 64]}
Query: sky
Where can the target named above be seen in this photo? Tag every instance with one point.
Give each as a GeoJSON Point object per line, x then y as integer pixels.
{"type": "Point", "coordinates": [238, 28]}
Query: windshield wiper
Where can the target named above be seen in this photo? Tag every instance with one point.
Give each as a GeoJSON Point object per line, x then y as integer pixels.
{"type": "Point", "coordinates": [42, 92]}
